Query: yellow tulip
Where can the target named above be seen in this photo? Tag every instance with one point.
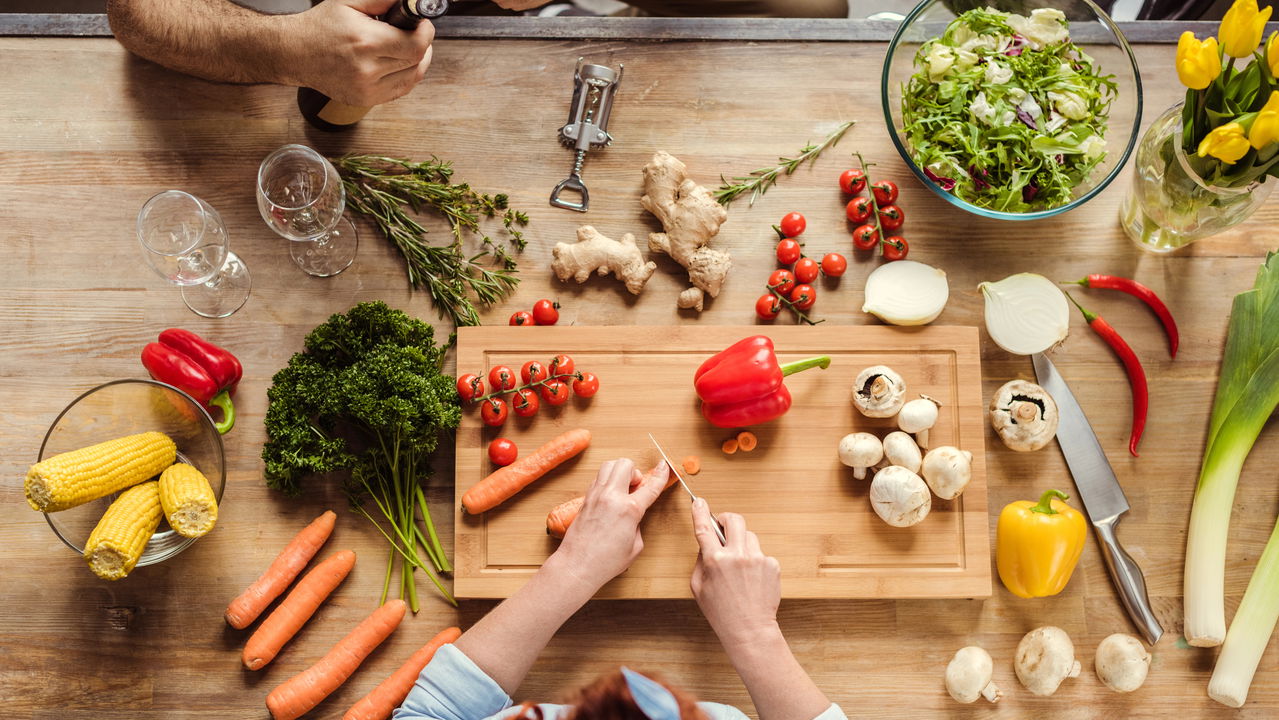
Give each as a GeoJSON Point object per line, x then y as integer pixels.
{"type": "Point", "coordinates": [1198, 62]}
{"type": "Point", "coordinates": [1227, 143]}
{"type": "Point", "coordinates": [1272, 54]}
{"type": "Point", "coordinates": [1242, 27]}
{"type": "Point", "coordinates": [1265, 129]}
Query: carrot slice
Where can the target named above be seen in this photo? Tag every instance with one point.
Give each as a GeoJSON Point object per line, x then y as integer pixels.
{"type": "Point", "coordinates": [746, 441]}
{"type": "Point", "coordinates": [730, 446]}
{"type": "Point", "coordinates": [297, 607]}
{"type": "Point", "coordinates": [692, 464]}
{"type": "Point", "coordinates": [383, 699]}
{"type": "Point", "coordinates": [249, 605]}
{"type": "Point", "coordinates": [505, 482]}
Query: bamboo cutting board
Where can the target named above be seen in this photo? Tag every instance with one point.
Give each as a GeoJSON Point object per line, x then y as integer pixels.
{"type": "Point", "coordinates": [806, 507]}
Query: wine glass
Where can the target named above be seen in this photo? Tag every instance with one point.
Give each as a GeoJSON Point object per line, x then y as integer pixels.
{"type": "Point", "coordinates": [186, 244]}
{"type": "Point", "coordinates": [300, 196]}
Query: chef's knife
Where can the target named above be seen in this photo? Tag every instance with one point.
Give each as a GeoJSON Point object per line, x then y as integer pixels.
{"type": "Point", "coordinates": [1103, 498]}
{"type": "Point", "coordinates": [719, 532]}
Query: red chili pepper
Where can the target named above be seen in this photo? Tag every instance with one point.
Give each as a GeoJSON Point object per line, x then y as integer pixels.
{"type": "Point", "coordinates": [1136, 374]}
{"type": "Point", "coordinates": [221, 365]}
{"type": "Point", "coordinates": [169, 365]}
{"type": "Point", "coordinates": [742, 385]}
{"type": "Point", "coordinates": [1141, 292]}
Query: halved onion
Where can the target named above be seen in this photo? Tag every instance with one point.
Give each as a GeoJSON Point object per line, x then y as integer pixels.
{"type": "Point", "coordinates": [905, 292]}
{"type": "Point", "coordinates": [1025, 313]}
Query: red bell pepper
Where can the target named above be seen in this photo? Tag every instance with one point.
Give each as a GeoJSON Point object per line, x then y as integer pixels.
{"type": "Point", "coordinates": [742, 385]}
{"type": "Point", "coordinates": [198, 368]}
{"type": "Point", "coordinates": [221, 365]}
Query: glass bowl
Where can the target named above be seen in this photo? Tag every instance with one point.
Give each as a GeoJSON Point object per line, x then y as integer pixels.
{"type": "Point", "coordinates": [1090, 28]}
{"type": "Point", "coordinates": [126, 407]}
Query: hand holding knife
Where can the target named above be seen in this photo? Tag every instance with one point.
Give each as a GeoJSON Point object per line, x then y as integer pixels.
{"type": "Point", "coordinates": [719, 531]}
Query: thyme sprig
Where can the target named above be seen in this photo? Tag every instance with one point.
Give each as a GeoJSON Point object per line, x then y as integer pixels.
{"type": "Point", "coordinates": [388, 189]}
{"type": "Point", "coordinates": [758, 181]}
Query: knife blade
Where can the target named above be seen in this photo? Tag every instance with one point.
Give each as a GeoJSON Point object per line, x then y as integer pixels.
{"type": "Point", "coordinates": [719, 532]}
{"type": "Point", "coordinates": [1103, 498]}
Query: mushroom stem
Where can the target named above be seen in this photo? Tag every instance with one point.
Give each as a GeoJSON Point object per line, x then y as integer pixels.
{"type": "Point", "coordinates": [921, 438]}
{"type": "Point", "coordinates": [859, 473]}
{"type": "Point", "coordinates": [1025, 411]}
{"type": "Point", "coordinates": [991, 692]}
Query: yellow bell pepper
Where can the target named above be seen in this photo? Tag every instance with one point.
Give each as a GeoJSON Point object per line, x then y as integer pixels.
{"type": "Point", "coordinates": [1037, 545]}
{"type": "Point", "coordinates": [1242, 27]}
{"type": "Point", "coordinates": [1198, 62]}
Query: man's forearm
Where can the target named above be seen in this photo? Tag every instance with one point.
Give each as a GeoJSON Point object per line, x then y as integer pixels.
{"type": "Point", "coordinates": [779, 686]}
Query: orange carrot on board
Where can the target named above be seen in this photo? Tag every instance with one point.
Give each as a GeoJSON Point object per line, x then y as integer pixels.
{"type": "Point", "coordinates": [729, 446]}
{"type": "Point", "coordinates": [505, 482]}
{"type": "Point", "coordinates": [691, 464]}
{"type": "Point", "coordinates": [563, 515]}
{"type": "Point", "coordinates": [297, 607]}
{"type": "Point", "coordinates": [746, 441]}
{"type": "Point", "coordinates": [308, 688]}
{"type": "Point", "coordinates": [249, 605]}
{"type": "Point", "coordinates": [383, 699]}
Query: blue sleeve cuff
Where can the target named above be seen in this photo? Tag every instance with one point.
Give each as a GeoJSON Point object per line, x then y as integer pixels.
{"type": "Point", "coordinates": [452, 687]}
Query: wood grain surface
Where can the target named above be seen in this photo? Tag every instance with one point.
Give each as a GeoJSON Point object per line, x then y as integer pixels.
{"type": "Point", "coordinates": [90, 133]}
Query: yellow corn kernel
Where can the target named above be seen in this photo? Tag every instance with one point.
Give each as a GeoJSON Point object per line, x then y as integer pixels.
{"type": "Point", "coordinates": [188, 501]}
{"type": "Point", "coordinates": [121, 535]}
{"type": "Point", "coordinates": [80, 476]}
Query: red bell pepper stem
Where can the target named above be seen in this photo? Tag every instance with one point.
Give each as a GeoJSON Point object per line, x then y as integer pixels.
{"type": "Point", "coordinates": [821, 361]}
{"type": "Point", "coordinates": [1142, 293]}
{"type": "Point", "coordinates": [222, 401]}
{"type": "Point", "coordinates": [1136, 374]}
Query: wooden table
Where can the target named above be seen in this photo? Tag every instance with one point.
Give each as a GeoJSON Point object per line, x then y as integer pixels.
{"type": "Point", "coordinates": [89, 133]}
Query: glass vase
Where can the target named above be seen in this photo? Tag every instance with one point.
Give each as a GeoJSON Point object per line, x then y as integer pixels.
{"type": "Point", "coordinates": [1169, 205]}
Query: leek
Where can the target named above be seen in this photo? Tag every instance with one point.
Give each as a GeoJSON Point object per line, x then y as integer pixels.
{"type": "Point", "coordinates": [1247, 393]}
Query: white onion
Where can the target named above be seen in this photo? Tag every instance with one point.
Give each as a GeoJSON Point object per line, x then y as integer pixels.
{"type": "Point", "coordinates": [906, 292]}
{"type": "Point", "coordinates": [1025, 313]}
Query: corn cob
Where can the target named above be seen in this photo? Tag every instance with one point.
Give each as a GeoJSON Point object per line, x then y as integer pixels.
{"type": "Point", "coordinates": [121, 535]}
{"type": "Point", "coordinates": [80, 476]}
{"type": "Point", "coordinates": [188, 501]}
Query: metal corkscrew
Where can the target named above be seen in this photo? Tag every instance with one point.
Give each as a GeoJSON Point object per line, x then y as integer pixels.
{"type": "Point", "coordinates": [587, 128]}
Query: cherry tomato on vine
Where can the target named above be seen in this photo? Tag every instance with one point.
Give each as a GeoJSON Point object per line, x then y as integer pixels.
{"type": "Point", "coordinates": [586, 384]}
{"type": "Point", "coordinates": [783, 280]}
{"type": "Point", "coordinates": [768, 306]}
{"type": "Point", "coordinates": [834, 265]}
{"type": "Point", "coordinates": [493, 412]}
{"type": "Point", "coordinates": [502, 378]}
{"type": "Point", "coordinates": [803, 296]}
{"type": "Point", "coordinates": [503, 452]}
{"type": "Point", "coordinates": [891, 217]}
{"type": "Point", "coordinates": [788, 251]}
{"type": "Point", "coordinates": [555, 392]}
{"type": "Point", "coordinates": [525, 403]}
{"type": "Point", "coordinates": [546, 312]}
{"type": "Point", "coordinates": [858, 209]}
{"type": "Point", "coordinates": [522, 317]}
{"type": "Point", "coordinates": [852, 181]}
{"type": "Point", "coordinates": [561, 365]}
{"type": "Point", "coordinates": [793, 225]}
{"type": "Point", "coordinates": [895, 248]}
{"type": "Point", "coordinates": [469, 387]}
{"type": "Point", "coordinates": [806, 270]}
{"type": "Point", "coordinates": [885, 192]}
{"type": "Point", "coordinates": [866, 237]}
{"type": "Point", "coordinates": [533, 371]}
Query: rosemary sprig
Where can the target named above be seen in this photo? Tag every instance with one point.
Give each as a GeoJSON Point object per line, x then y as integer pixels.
{"type": "Point", "coordinates": [387, 189]}
{"type": "Point", "coordinates": [758, 181]}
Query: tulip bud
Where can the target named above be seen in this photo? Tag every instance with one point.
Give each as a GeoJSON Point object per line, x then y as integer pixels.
{"type": "Point", "coordinates": [1198, 62]}
{"type": "Point", "coordinates": [1265, 128]}
{"type": "Point", "coordinates": [1242, 27]}
{"type": "Point", "coordinates": [1272, 54]}
{"type": "Point", "coordinates": [1227, 143]}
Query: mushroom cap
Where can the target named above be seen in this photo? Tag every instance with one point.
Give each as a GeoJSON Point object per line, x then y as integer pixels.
{"type": "Point", "coordinates": [968, 673]}
{"type": "Point", "coordinates": [1045, 657]}
{"type": "Point", "coordinates": [918, 414]}
{"type": "Point", "coordinates": [1122, 662]}
{"type": "Point", "coordinates": [901, 449]}
{"type": "Point", "coordinates": [860, 450]}
{"type": "Point", "coordinates": [899, 496]}
{"type": "Point", "coordinates": [947, 470]}
{"type": "Point", "coordinates": [1022, 431]}
{"type": "Point", "coordinates": [879, 391]}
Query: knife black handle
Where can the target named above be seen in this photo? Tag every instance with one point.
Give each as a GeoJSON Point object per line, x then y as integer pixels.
{"type": "Point", "coordinates": [1129, 581]}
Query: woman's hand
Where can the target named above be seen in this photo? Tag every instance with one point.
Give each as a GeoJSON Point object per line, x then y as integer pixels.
{"type": "Point", "coordinates": [605, 539]}
{"type": "Point", "coordinates": [737, 586]}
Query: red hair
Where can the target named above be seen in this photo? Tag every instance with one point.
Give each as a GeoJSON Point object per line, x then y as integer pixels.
{"type": "Point", "coordinates": [609, 698]}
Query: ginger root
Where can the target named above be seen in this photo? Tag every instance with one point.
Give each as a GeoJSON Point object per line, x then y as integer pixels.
{"type": "Point", "coordinates": [691, 217]}
{"type": "Point", "coordinates": [593, 252]}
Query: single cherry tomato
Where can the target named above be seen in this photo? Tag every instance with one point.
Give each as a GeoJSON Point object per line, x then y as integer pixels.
{"type": "Point", "coordinates": [885, 192]}
{"type": "Point", "coordinates": [768, 306]}
{"type": "Point", "coordinates": [783, 280]}
{"type": "Point", "coordinates": [834, 265]}
{"type": "Point", "coordinates": [895, 248]}
{"type": "Point", "coordinates": [546, 312]}
{"type": "Point", "coordinates": [522, 317]}
{"type": "Point", "coordinates": [525, 403]}
{"type": "Point", "coordinates": [501, 378]}
{"type": "Point", "coordinates": [493, 412]}
{"type": "Point", "coordinates": [788, 251]}
{"type": "Point", "coordinates": [866, 237]}
{"type": "Point", "coordinates": [803, 296]}
{"type": "Point", "coordinates": [586, 384]}
{"type": "Point", "coordinates": [852, 181]}
{"type": "Point", "coordinates": [533, 371]}
{"type": "Point", "coordinates": [793, 225]}
{"type": "Point", "coordinates": [806, 270]}
{"type": "Point", "coordinates": [469, 387]}
{"type": "Point", "coordinates": [503, 452]}
{"type": "Point", "coordinates": [561, 365]}
{"type": "Point", "coordinates": [891, 217]}
{"type": "Point", "coordinates": [555, 392]}
{"type": "Point", "coordinates": [858, 209]}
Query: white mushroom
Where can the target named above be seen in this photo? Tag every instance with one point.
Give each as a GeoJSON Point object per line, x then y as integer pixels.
{"type": "Point", "coordinates": [917, 416]}
{"type": "Point", "coordinates": [968, 676]}
{"type": "Point", "coordinates": [1122, 662]}
{"type": "Point", "coordinates": [860, 451]}
{"type": "Point", "coordinates": [900, 449]}
{"type": "Point", "coordinates": [947, 470]}
{"type": "Point", "coordinates": [878, 391]}
{"type": "Point", "coordinates": [1024, 415]}
{"type": "Point", "coordinates": [1045, 657]}
{"type": "Point", "coordinates": [899, 496]}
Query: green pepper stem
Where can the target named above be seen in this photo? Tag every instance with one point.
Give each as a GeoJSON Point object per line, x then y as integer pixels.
{"type": "Point", "coordinates": [1045, 505]}
{"type": "Point", "coordinates": [1082, 282]}
{"type": "Point", "coordinates": [1088, 316]}
{"type": "Point", "coordinates": [822, 361]}
{"type": "Point", "coordinates": [223, 402]}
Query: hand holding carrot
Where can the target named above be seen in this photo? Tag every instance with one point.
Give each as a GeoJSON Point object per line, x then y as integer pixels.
{"type": "Point", "coordinates": [736, 585]}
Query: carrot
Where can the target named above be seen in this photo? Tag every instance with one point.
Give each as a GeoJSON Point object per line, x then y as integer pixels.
{"type": "Point", "coordinates": [297, 607]}
{"type": "Point", "coordinates": [563, 515]}
{"type": "Point", "coordinates": [249, 605]}
{"type": "Point", "coordinates": [746, 441]}
{"type": "Point", "coordinates": [303, 691]}
{"type": "Point", "coordinates": [505, 482]}
{"type": "Point", "coordinates": [730, 446]}
{"type": "Point", "coordinates": [383, 699]}
{"type": "Point", "coordinates": [692, 464]}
